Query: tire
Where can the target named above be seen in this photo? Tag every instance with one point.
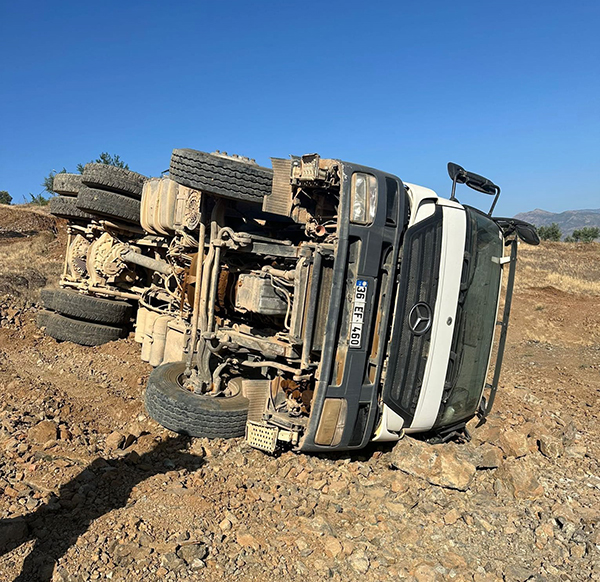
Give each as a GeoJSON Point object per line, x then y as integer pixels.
{"type": "Point", "coordinates": [79, 332]}
{"type": "Point", "coordinates": [113, 179]}
{"type": "Point", "coordinates": [220, 176]}
{"type": "Point", "coordinates": [47, 298]}
{"type": "Point", "coordinates": [42, 318]}
{"type": "Point", "coordinates": [89, 308]}
{"type": "Point", "coordinates": [191, 414]}
{"type": "Point", "coordinates": [66, 184]}
{"type": "Point", "coordinates": [109, 204]}
{"type": "Point", "coordinates": [66, 207]}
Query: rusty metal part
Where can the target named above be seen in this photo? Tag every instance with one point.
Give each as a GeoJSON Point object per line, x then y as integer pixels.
{"type": "Point", "coordinates": [298, 396]}
{"type": "Point", "coordinates": [189, 281]}
{"type": "Point", "coordinates": [222, 286]}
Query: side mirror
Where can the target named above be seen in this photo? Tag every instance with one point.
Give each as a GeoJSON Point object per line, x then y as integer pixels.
{"type": "Point", "coordinates": [459, 175]}
{"type": "Point", "coordinates": [475, 181]}
{"type": "Point", "coordinates": [525, 231]}
{"type": "Point", "coordinates": [528, 234]}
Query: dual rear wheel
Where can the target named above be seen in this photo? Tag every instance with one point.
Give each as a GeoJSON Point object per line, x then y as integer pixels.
{"type": "Point", "coordinates": [83, 319]}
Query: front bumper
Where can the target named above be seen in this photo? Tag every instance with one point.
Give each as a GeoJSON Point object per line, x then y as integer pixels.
{"type": "Point", "coordinates": [353, 374]}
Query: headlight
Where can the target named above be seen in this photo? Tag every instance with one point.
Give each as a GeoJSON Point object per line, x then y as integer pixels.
{"type": "Point", "coordinates": [332, 422]}
{"type": "Point", "coordinates": [364, 198]}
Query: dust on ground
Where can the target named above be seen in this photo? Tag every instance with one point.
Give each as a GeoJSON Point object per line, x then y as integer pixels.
{"type": "Point", "coordinates": [91, 489]}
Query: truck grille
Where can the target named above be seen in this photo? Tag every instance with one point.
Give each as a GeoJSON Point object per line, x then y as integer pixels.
{"type": "Point", "coordinates": [418, 283]}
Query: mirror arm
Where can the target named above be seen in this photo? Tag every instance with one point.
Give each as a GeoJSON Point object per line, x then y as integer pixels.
{"type": "Point", "coordinates": [453, 194]}
{"type": "Point", "coordinates": [495, 200]}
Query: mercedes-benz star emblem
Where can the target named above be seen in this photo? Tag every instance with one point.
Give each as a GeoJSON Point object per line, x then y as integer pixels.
{"type": "Point", "coordinates": [420, 318]}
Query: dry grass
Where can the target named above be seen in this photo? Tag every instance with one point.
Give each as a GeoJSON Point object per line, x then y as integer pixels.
{"type": "Point", "coordinates": [31, 253]}
{"type": "Point", "coordinates": [569, 267]}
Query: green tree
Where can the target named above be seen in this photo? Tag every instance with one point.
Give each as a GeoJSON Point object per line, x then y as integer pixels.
{"type": "Point", "coordinates": [5, 197]}
{"type": "Point", "coordinates": [108, 159]}
{"type": "Point", "coordinates": [551, 232]}
{"type": "Point", "coordinates": [104, 158]}
{"type": "Point", "coordinates": [587, 234]}
{"type": "Point", "coordinates": [38, 199]}
{"type": "Point", "coordinates": [569, 239]}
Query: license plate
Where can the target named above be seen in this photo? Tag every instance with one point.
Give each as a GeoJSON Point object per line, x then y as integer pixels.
{"type": "Point", "coordinates": [358, 313]}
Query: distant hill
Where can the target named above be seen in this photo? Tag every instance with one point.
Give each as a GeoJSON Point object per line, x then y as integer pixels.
{"type": "Point", "coordinates": [568, 221]}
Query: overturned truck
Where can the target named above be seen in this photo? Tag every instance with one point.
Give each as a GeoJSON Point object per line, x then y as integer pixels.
{"type": "Point", "coordinates": [318, 305]}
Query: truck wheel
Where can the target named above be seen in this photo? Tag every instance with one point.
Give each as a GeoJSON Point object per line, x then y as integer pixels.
{"type": "Point", "coordinates": [109, 204]}
{"type": "Point", "coordinates": [89, 308]}
{"type": "Point", "coordinates": [113, 179]}
{"type": "Point", "coordinates": [66, 207]}
{"type": "Point", "coordinates": [220, 176]}
{"type": "Point", "coordinates": [197, 415]}
{"type": "Point", "coordinates": [47, 298]}
{"type": "Point", "coordinates": [79, 332]}
{"type": "Point", "coordinates": [66, 184]}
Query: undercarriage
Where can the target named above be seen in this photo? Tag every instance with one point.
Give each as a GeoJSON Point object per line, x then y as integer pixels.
{"type": "Point", "coordinates": [317, 305]}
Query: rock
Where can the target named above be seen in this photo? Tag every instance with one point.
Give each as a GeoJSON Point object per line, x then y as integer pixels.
{"type": "Point", "coordinates": [520, 480]}
{"type": "Point", "coordinates": [43, 432]}
{"type": "Point", "coordinates": [425, 573]}
{"type": "Point", "coordinates": [576, 451]}
{"type": "Point", "coordinates": [114, 440]}
{"type": "Point", "coordinates": [197, 564]}
{"type": "Point", "coordinates": [491, 457]}
{"type": "Point", "coordinates": [359, 562]}
{"type": "Point", "coordinates": [247, 540]}
{"type": "Point", "coordinates": [225, 525]}
{"type": "Point", "coordinates": [11, 492]}
{"type": "Point", "coordinates": [488, 433]}
{"type": "Point", "coordinates": [452, 517]}
{"type": "Point", "coordinates": [65, 434]}
{"type": "Point", "coordinates": [517, 573]}
{"type": "Point", "coordinates": [332, 546]}
{"type": "Point", "coordinates": [513, 443]}
{"type": "Point", "coordinates": [124, 554]}
{"type": "Point", "coordinates": [190, 552]}
{"type": "Point", "coordinates": [550, 447]}
{"type": "Point", "coordinates": [171, 561]}
{"type": "Point", "coordinates": [441, 465]}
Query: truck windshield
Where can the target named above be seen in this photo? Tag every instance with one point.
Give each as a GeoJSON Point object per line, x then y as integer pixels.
{"type": "Point", "coordinates": [476, 320]}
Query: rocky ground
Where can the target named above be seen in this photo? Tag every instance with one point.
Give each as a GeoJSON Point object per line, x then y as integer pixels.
{"type": "Point", "coordinates": [91, 489]}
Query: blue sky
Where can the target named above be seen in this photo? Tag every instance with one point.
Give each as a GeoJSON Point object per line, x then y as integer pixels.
{"type": "Point", "coordinates": [507, 89]}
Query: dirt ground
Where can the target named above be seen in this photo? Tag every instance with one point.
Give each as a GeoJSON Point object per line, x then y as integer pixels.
{"type": "Point", "coordinates": [91, 489]}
